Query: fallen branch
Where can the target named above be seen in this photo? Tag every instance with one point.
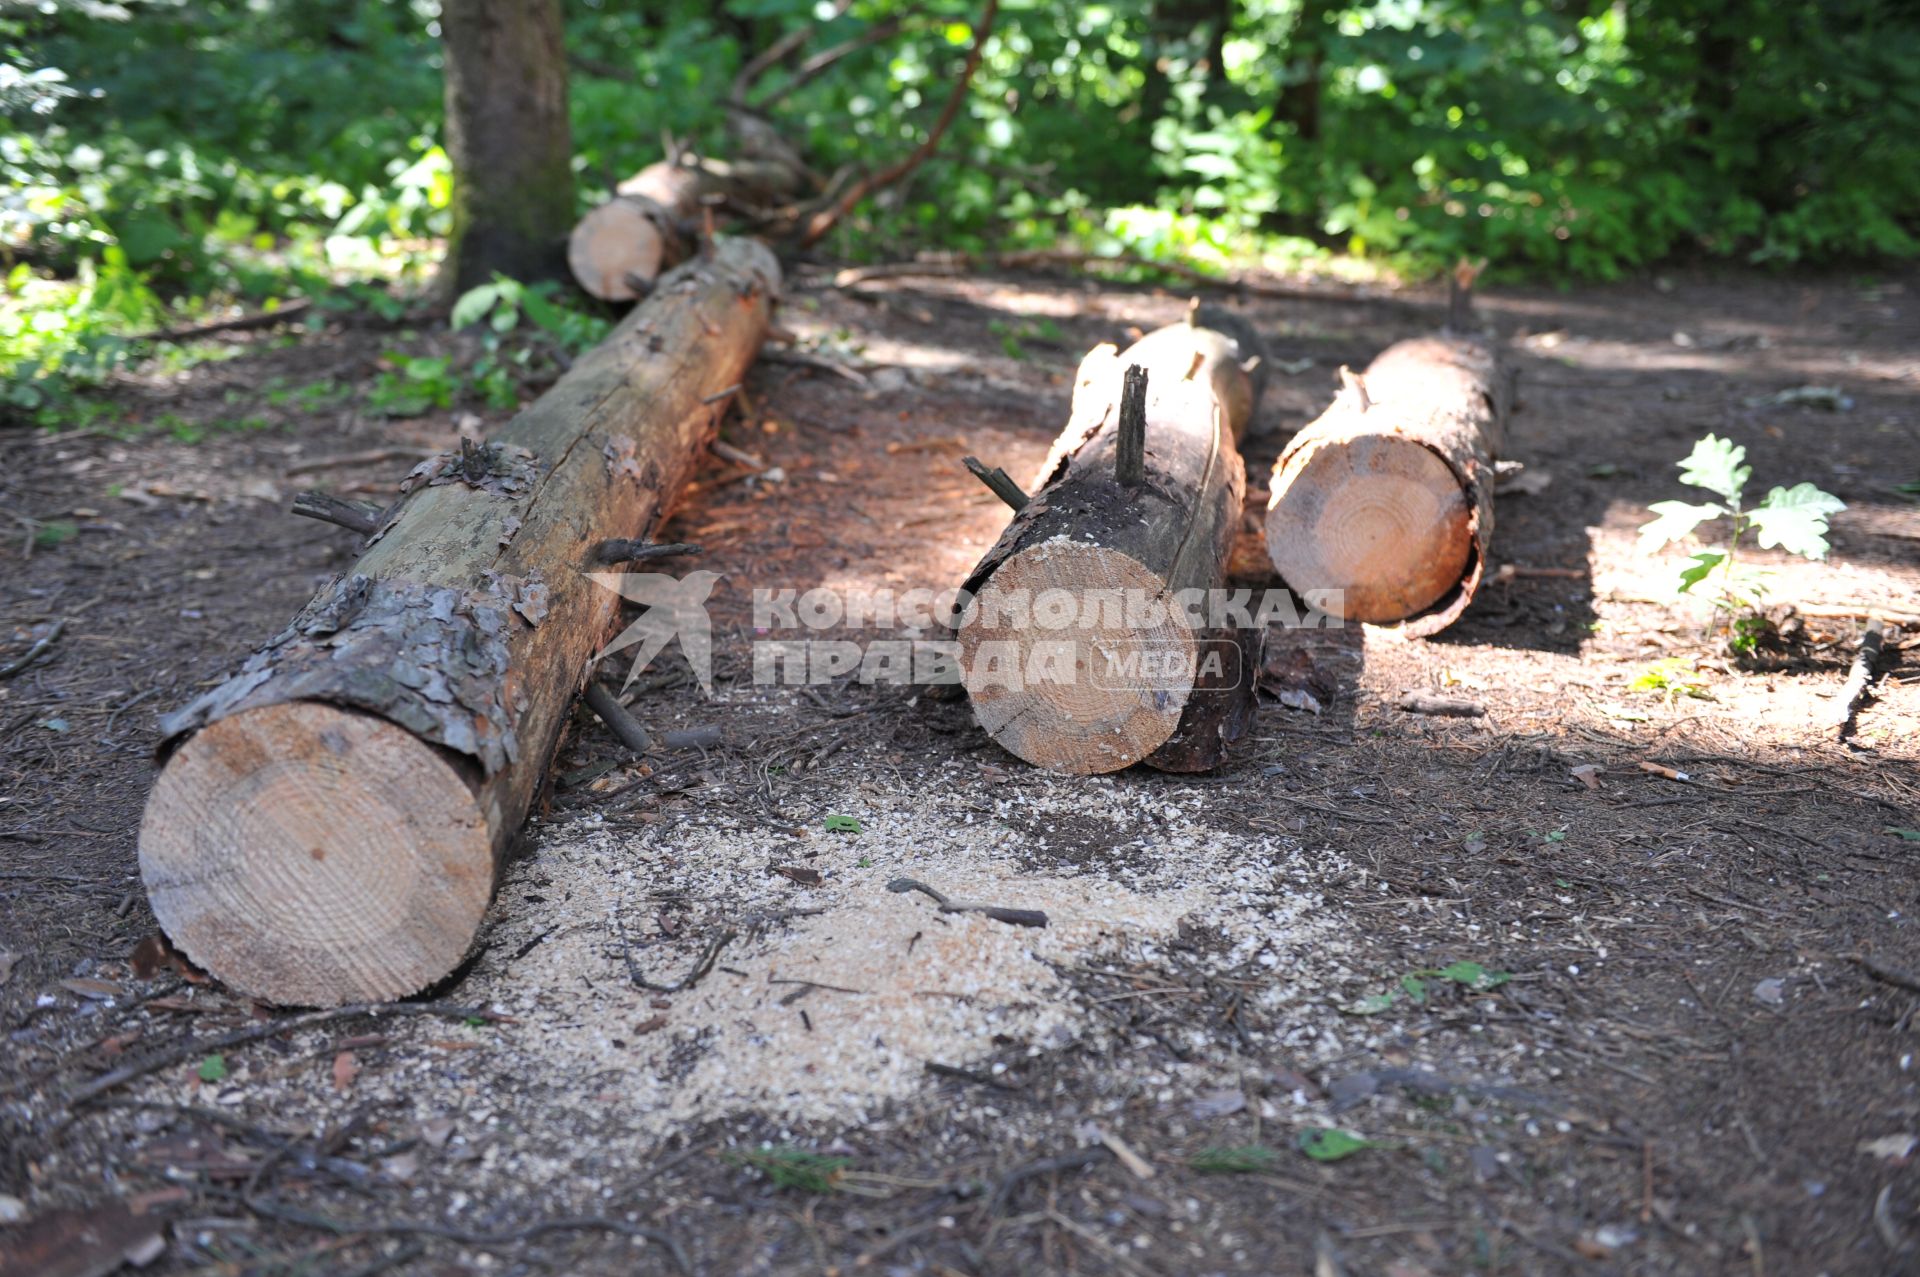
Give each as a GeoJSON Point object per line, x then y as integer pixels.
{"type": "Point", "coordinates": [1859, 678]}
{"type": "Point", "coordinates": [1014, 917]}
{"type": "Point", "coordinates": [1441, 706]}
{"type": "Point", "coordinates": [243, 324]}
{"type": "Point", "coordinates": [1889, 975]}
{"type": "Point", "coordinates": [611, 712]}
{"type": "Point", "coordinates": [825, 219]}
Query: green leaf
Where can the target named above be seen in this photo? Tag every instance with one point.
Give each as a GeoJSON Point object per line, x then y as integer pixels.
{"type": "Point", "coordinates": [1718, 466]}
{"type": "Point", "coordinates": [1373, 1004]}
{"type": "Point", "coordinates": [213, 1068]}
{"type": "Point", "coordinates": [1674, 519]}
{"type": "Point", "coordinates": [1416, 989]}
{"type": "Point", "coordinates": [474, 305]}
{"type": "Point", "coordinates": [1326, 1144]}
{"type": "Point", "coordinates": [1703, 565]}
{"type": "Point", "coordinates": [1795, 519]}
{"type": "Point", "coordinates": [843, 825]}
{"type": "Point", "coordinates": [1474, 976]}
{"type": "Point", "coordinates": [1911, 835]}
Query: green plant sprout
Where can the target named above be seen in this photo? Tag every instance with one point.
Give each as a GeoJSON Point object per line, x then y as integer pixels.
{"type": "Point", "coordinates": [1792, 519]}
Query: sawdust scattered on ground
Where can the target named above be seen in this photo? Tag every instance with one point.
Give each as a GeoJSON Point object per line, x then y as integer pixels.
{"type": "Point", "coordinates": [830, 1015]}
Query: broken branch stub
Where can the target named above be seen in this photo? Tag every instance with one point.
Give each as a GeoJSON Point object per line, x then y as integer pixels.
{"type": "Point", "coordinates": [326, 824]}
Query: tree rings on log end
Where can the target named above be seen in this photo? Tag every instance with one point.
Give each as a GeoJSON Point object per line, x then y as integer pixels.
{"type": "Point", "coordinates": [1075, 659]}
{"type": "Point", "coordinates": [1381, 518]}
{"type": "Point", "coordinates": [311, 855]}
{"type": "Point", "coordinates": [613, 245]}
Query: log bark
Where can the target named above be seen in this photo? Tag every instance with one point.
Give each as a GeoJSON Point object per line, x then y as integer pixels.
{"type": "Point", "coordinates": [327, 824]}
{"type": "Point", "coordinates": [1385, 502]}
{"type": "Point", "coordinates": [1121, 679]}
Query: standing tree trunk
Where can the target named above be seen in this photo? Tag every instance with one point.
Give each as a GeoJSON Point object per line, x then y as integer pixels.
{"type": "Point", "coordinates": [1299, 100]}
{"type": "Point", "coordinates": [508, 138]}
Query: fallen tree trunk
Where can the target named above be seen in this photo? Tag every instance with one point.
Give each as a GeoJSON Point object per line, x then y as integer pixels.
{"type": "Point", "coordinates": [652, 223]}
{"type": "Point", "coordinates": [1383, 506]}
{"type": "Point", "coordinates": [655, 218]}
{"type": "Point", "coordinates": [326, 825]}
{"type": "Point", "coordinates": [1074, 654]}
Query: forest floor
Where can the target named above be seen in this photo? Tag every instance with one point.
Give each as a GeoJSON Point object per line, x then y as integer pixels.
{"type": "Point", "coordinates": [1639, 1024]}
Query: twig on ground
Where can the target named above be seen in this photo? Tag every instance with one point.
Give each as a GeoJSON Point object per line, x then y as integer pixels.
{"type": "Point", "coordinates": [273, 1208]}
{"type": "Point", "coordinates": [1075, 1161]}
{"type": "Point", "coordinates": [245, 323]}
{"type": "Point", "coordinates": [739, 456]}
{"type": "Point", "coordinates": [806, 359]}
{"type": "Point", "coordinates": [40, 648]}
{"type": "Point", "coordinates": [700, 970]}
{"type": "Point", "coordinates": [611, 712]}
{"type": "Point", "coordinates": [202, 1047]}
{"type": "Point", "coordinates": [1441, 706]}
{"type": "Point", "coordinates": [1014, 917]}
{"type": "Point", "coordinates": [1512, 571]}
{"type": "Point", "coordinates": [975, 1076]}
{"type": "Point", "coordinates": [1889, 975]}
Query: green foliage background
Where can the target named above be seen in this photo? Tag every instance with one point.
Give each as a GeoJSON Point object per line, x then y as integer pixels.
{"type": "Point", "coordinates": [160, 154]}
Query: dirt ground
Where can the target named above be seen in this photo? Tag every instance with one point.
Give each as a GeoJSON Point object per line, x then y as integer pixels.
{"type": "Point", "coordinates": [1687, 1045]}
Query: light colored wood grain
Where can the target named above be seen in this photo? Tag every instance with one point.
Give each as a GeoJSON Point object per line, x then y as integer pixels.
{"type": "Point", "coordinates": [1387, 497]}
{"type": "Point", "coordinates": [323, 854]}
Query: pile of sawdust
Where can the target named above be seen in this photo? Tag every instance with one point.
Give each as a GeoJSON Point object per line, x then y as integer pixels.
{"type": "Point", "coordinates": [829, 1015]}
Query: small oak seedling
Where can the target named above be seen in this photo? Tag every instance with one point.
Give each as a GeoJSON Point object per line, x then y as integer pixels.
{"type": "Point", "coordinates": [1792, 519]}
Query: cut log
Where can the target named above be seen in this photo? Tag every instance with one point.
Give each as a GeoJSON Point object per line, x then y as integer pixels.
{"type": "Point", "coordinates": [617, 250]}
{"type": "Point", "coordinates": [326, 825]}
{"type": "Point", "coordinates": [1382, 508]}
{"type": "Point", "coordinates": [1073, 651]}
